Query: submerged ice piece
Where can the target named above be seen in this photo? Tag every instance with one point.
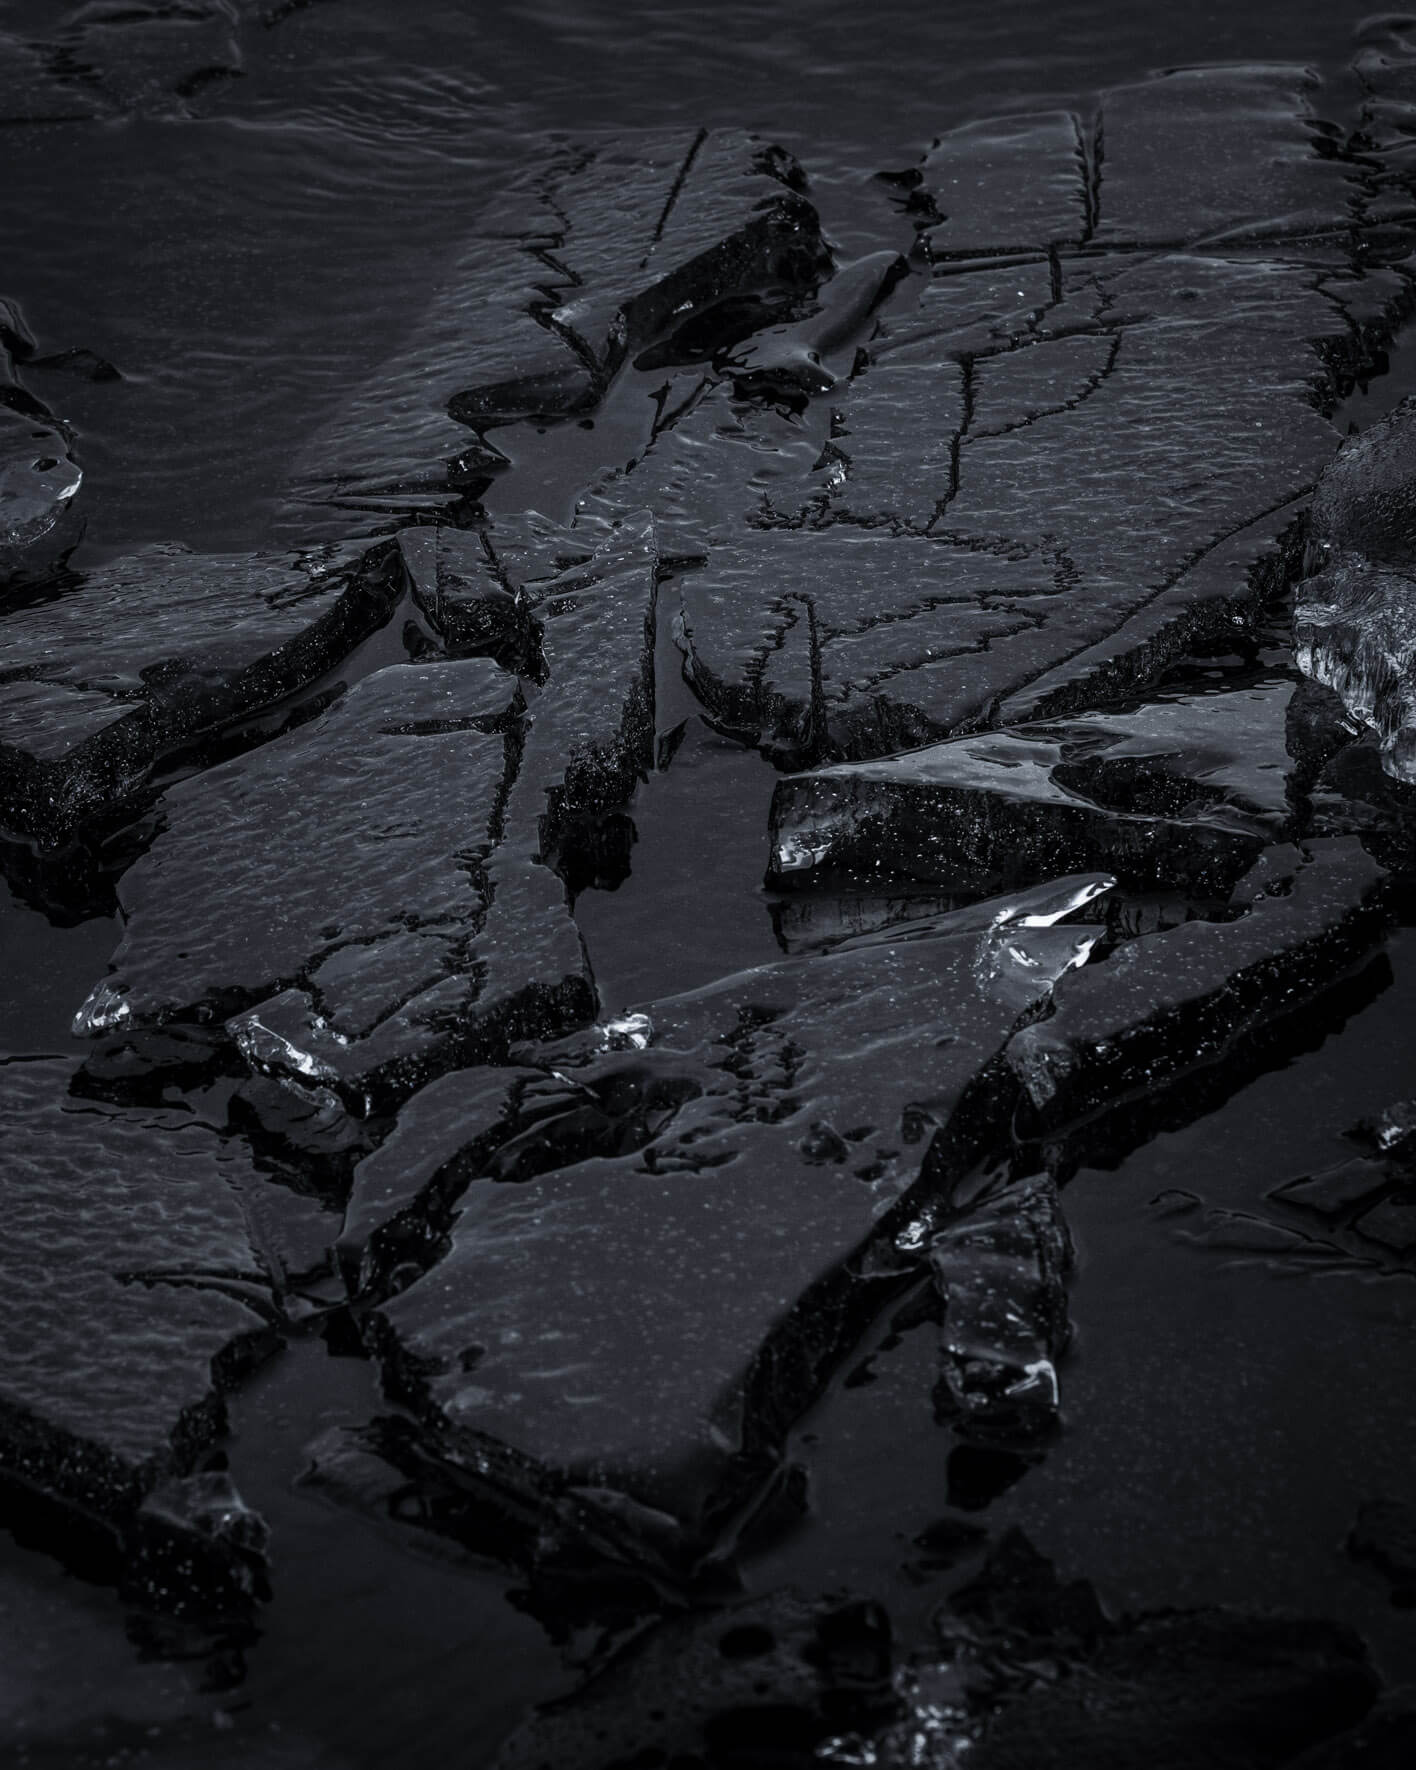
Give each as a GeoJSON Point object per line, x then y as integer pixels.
{"type": "Point", "coordinates": [1355, 619]}
{"type": "Point", "coordinates": [1182, 793]}
{"type": "Point", "coordinates": [1204, 153]}
{"type": "Point", "coordinates": [1372, 1195]}
{"type": "Point", "coordinates": [760, 1681]}
{"type": "Point", "coordinates": [1000, 1272]}
{"type": "Point", "coordinates": [131, 1298]}
{"type": "Point", "coordinates": [154, 652]}
{"type": "Point", "coordinates": [587, 258]}
{"type": "Point", "coordinates": [610, 1209]}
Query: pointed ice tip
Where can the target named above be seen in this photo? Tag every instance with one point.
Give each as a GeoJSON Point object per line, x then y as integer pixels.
{"type": "Point", "coordinates": [270, 1053]}
{"type": "Point", "coordinates": [1050, 903]}
{"type": "Point", "coordinates": [105, 1008]}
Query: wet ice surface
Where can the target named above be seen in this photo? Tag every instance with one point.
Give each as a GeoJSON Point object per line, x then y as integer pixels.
{"type": "Point", "coordinates": [732, 881]}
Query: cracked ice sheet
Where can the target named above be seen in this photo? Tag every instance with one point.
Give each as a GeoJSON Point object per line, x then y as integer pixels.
{"type": "Point", "coordinates": [785, 1146]}
{"type": "Point", "coordinates": [576, 262]}
{"type": "Point", "coordinates": [127, 1283]}
{"type": "Point", "coordinates": [153, 651]}
{"type": "Point", "coordinates": [1123, 504]}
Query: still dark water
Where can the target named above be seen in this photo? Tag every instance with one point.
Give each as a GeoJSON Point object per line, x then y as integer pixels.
{"type": "Point", "coordinates": [245, 261]}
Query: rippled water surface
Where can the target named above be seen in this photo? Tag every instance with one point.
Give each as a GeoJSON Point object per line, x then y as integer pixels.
{"type": "Point", "coordinates": [246, 255]}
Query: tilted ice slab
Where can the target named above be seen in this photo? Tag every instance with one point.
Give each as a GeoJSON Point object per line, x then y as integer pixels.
{"type": "Point", "coordinates": [662, 1211]}
{"type": "Point", "coordinates": [1181, 793]}
{"type": "Point", "coordinates": [153, 652]}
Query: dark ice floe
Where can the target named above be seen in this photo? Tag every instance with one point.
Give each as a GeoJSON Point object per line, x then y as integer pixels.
{"type": "Point", "coordinates": [38, 476]}
{"type": "Point", "coordinates": [1001, 1272]}
{"type": "Point", "coordinates": [1061, 461]}
{"type": "Point", "coordinates": [38, 481]}
{"type": "Point", "coordinates": [751, 1150]}
{"type": "Point", "coordinates": [1193, 993]}
{"type": "Point", "coordinates": [355, 848]}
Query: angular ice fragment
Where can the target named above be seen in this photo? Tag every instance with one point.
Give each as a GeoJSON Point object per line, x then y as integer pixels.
{"type": "Point", "coordinates": [1021, 968]}
{"type": "Point", "coordinates": [105, 1007]}
{"type": "Point", "coordinates": [1182, 792]}
{"type": "Point", "coordinates": [1048, 904]}
{"type": "Point", "coordinates": [1001, 1274]}
{"type": "Point", "coordinates": [271, 1053]}
{"type": "Point", "coordinates": [627, 1032]}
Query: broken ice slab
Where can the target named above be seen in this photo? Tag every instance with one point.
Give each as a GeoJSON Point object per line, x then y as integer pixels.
{"type": "Point", "coordinates": [153, 652]}
{"type": "Point", "coordinates": [801, 636]}
{"type": "Point", "coordinates": [444, 1136]}
{"type": "Point", "coordinates": [1188, 996]}
{"type": "Point", "coordinates": [1219, 153]}
{"type": "Point", "coordinates": [337, 872]}
{"type": "Point", "coordinates": [384, 891]}
{"type": "Point", "coordinates": [1000, 1271]}
{"type": "Point", "coordinates": [781, 1150]}
{"type": "Point", "coordinates": [38, 482]}
{"type": "Point", "coordinates": [132, 1299]}
{"type": "Point", "coordinates": [586, 257]}
{"type": "Point", "coordinates": [586, 740]}
{"type": "Point", "coordinates": [1374, 1189]}
{"type": "Point", "coordinates": [579, 1315]}
{"type": "Point", "coordinates": [479, 1501]}
{"type": "Point", "coordinates": [1182, 793]}
{"type": "Point", "coordinates": [1191, 155]}
{"type": "Point", "coordinates": [1004, 184]}
{"type": "Point", "coordinates": [1355, 618]}
{"type": "Point", "coordinates": [1017, 533]}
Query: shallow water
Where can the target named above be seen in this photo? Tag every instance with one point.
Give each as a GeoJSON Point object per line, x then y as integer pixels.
{"type": "Point", "coordinates": [245, 259]}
